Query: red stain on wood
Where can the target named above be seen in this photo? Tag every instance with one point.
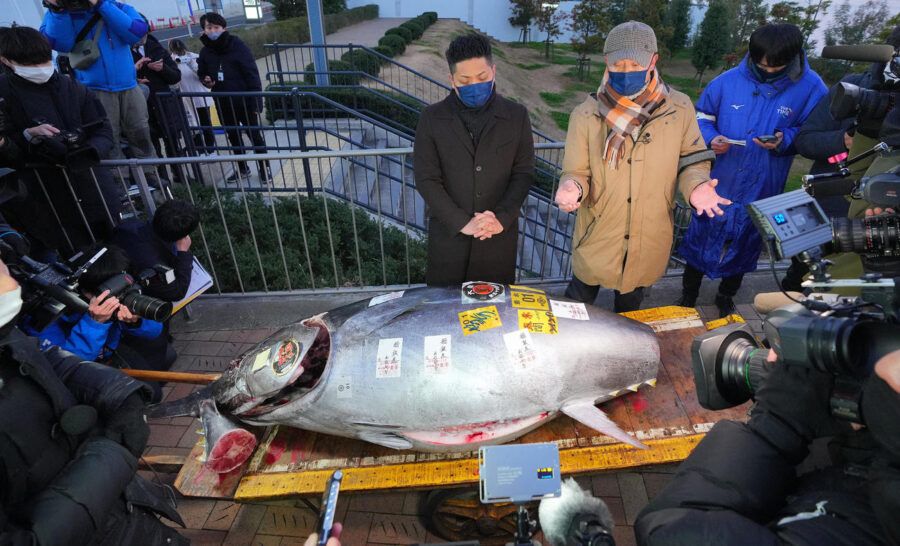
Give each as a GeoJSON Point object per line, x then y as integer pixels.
{"type": "Point", "coordinates": [276, 448]}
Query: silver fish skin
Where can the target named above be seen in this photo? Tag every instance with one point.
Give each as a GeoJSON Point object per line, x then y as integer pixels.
{"type": "Point", "coordinates": [323, 373]}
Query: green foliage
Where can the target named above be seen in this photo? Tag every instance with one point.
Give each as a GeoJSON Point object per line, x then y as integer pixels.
{"type": "Point", "coordinates": [402, 32]}
{"type": "Point", "coordinates": [589, 22]}
{"type": "Point", "coordinates": [334, 65]}
{"type": "Point", "coordinates": [286, 9]}
{"type": "Point", "coordinates": [747, 16]}
{"type": "Point", "coordinates": [386, 51]}
{"type": "Point", "coordinates": [431, 15]}
{"type": "Point", "coordinates": [858, 27]}
{"type": "Point", "coordinates": [396, 44]}
{"type": "Point", "coordinates": [652, 13]}
{"type": "Point", "coordinates": [415, 28]}
{"type": "Point", "coordinates": [299, 255]}
{"type": "Point", "coordinates": [531, 66]}
{"type": "Point", "coordinates": [688, 86]}
{"type": "Point", "coordinates": [523, 11]}
{"type": "Point", "coordinates": [334, 6]}
{"type": "Point", "coordinates": [678, 18]}
{"type": "Point", "coordinates": [549, 21]}
{"type": "Point", "coordinates": [364, 61]}
{"type": "Point", "coordinates": [561, 119]}
{"type": "Point", "coordinates": [553, 99]}
{"type": "Point", "coordinates": [405, 114]}
{"type": "Point", "coordinates": [889, 25]}
{"type": "Point", "coordinates": [709, 46]}
{"type": "Point", "coordinates": [805, 17]}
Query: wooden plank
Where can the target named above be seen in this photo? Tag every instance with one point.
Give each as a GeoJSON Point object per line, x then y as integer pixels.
{"type": "Point", "coordinates": [440, 474]}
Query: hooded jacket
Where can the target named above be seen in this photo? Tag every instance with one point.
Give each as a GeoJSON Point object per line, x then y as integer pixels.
{"type": "Point", "coordinates": [739, 107]}
{"type": "Point", "coordinates": [122, 27]}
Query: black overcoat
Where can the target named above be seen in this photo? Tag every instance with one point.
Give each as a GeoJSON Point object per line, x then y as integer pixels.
{"type": "Point", "coordinates": [456, 180]}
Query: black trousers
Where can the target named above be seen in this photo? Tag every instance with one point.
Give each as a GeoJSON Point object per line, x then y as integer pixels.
{"type": "Point", "coordinates": [692, 278]}
{"type": "Point", "coordinates": [630, 301]}
{"type": "Point", "coordinates": [233, 112]}
{"type": "Point", "coordinates": [205, 140]}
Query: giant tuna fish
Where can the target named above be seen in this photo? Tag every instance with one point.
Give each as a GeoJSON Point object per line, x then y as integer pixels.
{"type": "Point", "coordinates": [432, 369]}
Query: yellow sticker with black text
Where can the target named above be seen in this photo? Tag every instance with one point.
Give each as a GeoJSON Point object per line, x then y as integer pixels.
{"type": "Point", "coordinates": [517, 287]}
{"type": "Point", "coordinates": [529, 300]}
{"type": "Point", "coordinates": [479, 320]}
{"type": "Point", "coordinates": [538, 322]}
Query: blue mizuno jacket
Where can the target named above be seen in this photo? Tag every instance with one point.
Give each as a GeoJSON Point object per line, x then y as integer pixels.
{"type": "Point", "coordinates": [122, 27]}
{"type": "Point", "coordinates": [739, 107]}
{"type": "Point", "coordinates": [91, 340]}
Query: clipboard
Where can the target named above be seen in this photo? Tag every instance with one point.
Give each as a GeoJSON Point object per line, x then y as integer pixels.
{"type": "Point", "coordinates": [201, 281]}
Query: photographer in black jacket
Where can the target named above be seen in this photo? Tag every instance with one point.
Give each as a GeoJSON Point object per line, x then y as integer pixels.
{"type": "Point", "coordinates": [70, 435]}
{"type": "Point", "coordinates": [740, 484]}
{"type": "Point", "coordinates": [50, 121]}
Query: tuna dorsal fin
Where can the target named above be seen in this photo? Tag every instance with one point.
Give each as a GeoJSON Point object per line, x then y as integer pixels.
{"type": "Point", "coordinates": [386, 439]}
{"type": "Point", "coordinates": [587, 414]}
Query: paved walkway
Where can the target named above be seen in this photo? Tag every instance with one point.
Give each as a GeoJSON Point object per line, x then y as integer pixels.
{"type": "Point", "coordinates": [209, 343]}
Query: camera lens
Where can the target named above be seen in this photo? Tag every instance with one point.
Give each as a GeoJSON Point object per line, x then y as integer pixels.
{"type": "Point", "coordinates": [873, 236]}
{"type": "Point", "coordinates": [146, 306]}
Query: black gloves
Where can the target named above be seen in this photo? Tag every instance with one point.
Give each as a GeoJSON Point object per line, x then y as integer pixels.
{"type": "Point", "coordinates": [128, 425]}
{"type": "Point", "coordinates": [792, 409]}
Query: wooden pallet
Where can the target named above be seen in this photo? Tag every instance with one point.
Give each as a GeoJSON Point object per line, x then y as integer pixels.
{"type": "Point", "coordinates": [666, 417]}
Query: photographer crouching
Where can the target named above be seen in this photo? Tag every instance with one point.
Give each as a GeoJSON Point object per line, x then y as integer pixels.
{"type": "Point", "coordinates": [70, 435]}
{"type": "Point", "coordinates": [105, 332]}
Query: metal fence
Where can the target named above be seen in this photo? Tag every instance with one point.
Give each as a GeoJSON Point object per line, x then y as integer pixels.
{"type": "Point", "coordinates": [279, 234]}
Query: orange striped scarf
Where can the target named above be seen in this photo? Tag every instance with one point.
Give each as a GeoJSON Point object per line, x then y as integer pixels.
{"type": "Point", "coordinates": [626, 116]}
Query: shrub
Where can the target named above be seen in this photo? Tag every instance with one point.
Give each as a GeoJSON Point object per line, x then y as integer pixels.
{"type": "Point", "coordinates": [402, 32]}
{"type": "Point", "coordinates": [299, 256]}
{"type": "Point", "coordinates": [386, 51]}
{"type": "Point", "coordinates": [415, 29]}
{"type": "Point", "coordinates": [431, 15]}
{"type": "Point", "coordinates": [424, 21]}
{"type": "Point", "coordinates": [396, 44]}
{"type": "Point", "coordinates": [364, 61]}
{"type": "Point", "coordinates": [334, 65]}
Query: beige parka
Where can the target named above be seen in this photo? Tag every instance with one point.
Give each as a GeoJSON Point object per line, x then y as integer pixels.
{"type": "Point", "coordinates": [629, 211]}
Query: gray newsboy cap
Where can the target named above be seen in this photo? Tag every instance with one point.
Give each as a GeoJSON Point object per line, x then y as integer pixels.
{"type": "Point", "coordinates": [630, 40]}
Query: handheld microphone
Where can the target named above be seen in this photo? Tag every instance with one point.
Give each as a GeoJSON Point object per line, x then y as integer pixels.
{"type": "Point", "coordinates": [575, 518]}
{"type": "Point", "coordinates": [865, 53]}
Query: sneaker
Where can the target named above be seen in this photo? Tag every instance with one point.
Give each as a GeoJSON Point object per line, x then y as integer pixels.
{"type": "Point", "coordinates": [686, 301]}
{"type": "Point", "coordinates": [725, 305]}
{"type": "Point", "coordinates": [236, 176]}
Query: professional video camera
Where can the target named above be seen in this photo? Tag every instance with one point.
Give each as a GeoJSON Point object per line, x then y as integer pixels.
{"type": "Point", "coordinates": [67, 147]}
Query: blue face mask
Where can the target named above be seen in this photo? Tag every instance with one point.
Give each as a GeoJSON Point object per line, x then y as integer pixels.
{"type": "Point", "coordinates": [475, 95]}
{"type": "Point", "coordinates": [213, 35]}
{"type": "Point", "coordinates": [627, 83]}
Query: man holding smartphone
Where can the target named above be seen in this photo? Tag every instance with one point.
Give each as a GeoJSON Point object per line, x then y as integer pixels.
{"type": "Point", "coordinates": [749, 116]}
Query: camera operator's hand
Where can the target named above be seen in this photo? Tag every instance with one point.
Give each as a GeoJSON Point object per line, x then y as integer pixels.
{"type": "Point", "coordinates": [333, 540]}
{"type": "Point", "coordinates": [719, 144]}
{"type": "Point", "coordinates": [42, 130]}
{"type": "Point", "coordinates": [878, 210]}
{"type": "Point", "coordinates": [848, 140]}
{"type": "Point", "coordinates": [183, 244]}
{"type": "Point", "coordinates": [101, 308]}
{"type": "Point", "coordinates": [125, 315]}
{"type": "Point", "coordinates": [792, 409]}
{"type": "Point", "coordinates": [128, 426]}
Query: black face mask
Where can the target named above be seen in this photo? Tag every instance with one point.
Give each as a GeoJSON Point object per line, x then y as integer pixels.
{"type": "Point", "coordinates": [764, 76]}
{"type": "Point", "coordinates": [881, 410]}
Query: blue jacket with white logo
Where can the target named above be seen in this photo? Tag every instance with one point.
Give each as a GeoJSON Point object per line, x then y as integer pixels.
{"type": "Point", "coordinates": [739, 107]}
{"type": "Point", "coordinates": [89, 339]}
{"type": "Point", "coordinates": [122, 27]}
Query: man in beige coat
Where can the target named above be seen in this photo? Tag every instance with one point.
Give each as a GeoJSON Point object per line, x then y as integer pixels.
{"type": "Point", "coordinates": [627, 148]}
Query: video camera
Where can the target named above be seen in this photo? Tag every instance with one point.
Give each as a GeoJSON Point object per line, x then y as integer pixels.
{"type": "Point", "coordinates": [67, 147]}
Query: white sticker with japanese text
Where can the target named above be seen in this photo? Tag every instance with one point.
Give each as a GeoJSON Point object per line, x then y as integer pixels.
{"type": "Point", "coordinates": [521, 348]}
{"type": "Point", "coordinates": [569, 310]}
{"type": "Point", "coordinates": [388, 362]}
{"type": "Point", "coordinates": [437, 354]}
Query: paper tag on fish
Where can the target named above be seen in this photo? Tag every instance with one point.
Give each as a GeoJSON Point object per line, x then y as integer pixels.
{"type": "Point", "coordinates": [389, 353]}
{"type": "Point", "coordinates": [569, 309]}
{"type": "Point", "coordinates": [344, 387]}
{"type": "Point", "coordinates": [261, 360]}
{"type": "Point", "coordinates": [539, 322]}
{"type": "Point", "coordinates": [480, 292]}
{"type": "Point", "coordinates": [479, 320]}
{"type": "Point", "coordinates": [529, 300]}
{"type": "Point", "coordinates": [519, 287]}
{"type": "Point", "coordinates": [385, 298]}
{"type": "Point", "coordinates": [521, 348]}
{"type": "Point", "coordinates": [437, 354]}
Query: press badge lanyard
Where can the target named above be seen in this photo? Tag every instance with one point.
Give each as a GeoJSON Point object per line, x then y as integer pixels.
{"type": "Point", "coordinates": [221, 75]}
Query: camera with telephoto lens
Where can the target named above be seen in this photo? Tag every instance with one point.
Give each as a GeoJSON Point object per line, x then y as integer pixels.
{"type": "Point", "coordinates": [876, 112]}
{"type": "Point", "coordinates": [124, 287]}
{"type": "Point", "coordinates": [67, 147]}
{"type": "Point", "coordinates": [69, 5]}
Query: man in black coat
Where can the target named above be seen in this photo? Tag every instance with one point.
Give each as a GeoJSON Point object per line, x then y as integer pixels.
{"type": "Point", "coordinates": [226, 65]}
{"type": "Point", "coordinates": [70, 435]}
{"type": "Point", "coordinates": [474, 166]}
{"type": "Point", "coordinates": [37, 106]}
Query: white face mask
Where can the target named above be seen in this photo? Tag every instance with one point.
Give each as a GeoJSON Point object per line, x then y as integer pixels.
{"type": "Point", "coordinates": [10, 305]}
{"type": "Point", "coordinates": [34, 74]}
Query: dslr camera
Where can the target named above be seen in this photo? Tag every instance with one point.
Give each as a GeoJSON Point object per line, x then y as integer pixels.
{"type": "Point", "coordinates": [67, 147]}
{"type": "Point", "coordinates": [68, 5]}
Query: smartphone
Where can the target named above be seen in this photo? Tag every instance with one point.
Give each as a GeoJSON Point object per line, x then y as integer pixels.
{"type": "Point", "coordinates": [765, 139]}
{"type": "Point", "coordinates": [329, 503]}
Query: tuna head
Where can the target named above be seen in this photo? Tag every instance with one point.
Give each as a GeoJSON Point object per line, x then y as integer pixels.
{"type": "Point", "coordinates": [265, 377]}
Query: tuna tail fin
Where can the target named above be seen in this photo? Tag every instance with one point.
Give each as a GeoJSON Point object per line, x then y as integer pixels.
{"type": "Point", "coordinates": [587, 414]}
{"type": "Point", "coordinates": [189, 406]}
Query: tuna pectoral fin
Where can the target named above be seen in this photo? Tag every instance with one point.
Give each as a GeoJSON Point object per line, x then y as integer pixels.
{"type": "Point", "coordinates": [386, 439]}
{"type": "Point", "coordinates": [589, 415]}
{"type": "Point", "coordinates": [187, 406]}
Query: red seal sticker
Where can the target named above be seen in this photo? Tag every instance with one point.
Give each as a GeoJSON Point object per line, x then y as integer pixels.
{"type": "Point", "coordinates": [288, 353]}
{"type": "Point", "coordinates": [478, 292]}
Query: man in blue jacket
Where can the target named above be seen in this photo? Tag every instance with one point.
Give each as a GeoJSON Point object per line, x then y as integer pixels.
{"type": "Point", "coordinates": [112, 77]}
{"type": "Point", "coordinates": [749, 116]}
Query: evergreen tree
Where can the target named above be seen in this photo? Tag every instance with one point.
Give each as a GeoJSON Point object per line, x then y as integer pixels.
{"type": "Point", "coordinates": [709, 47]}
{"type": "Point", "coordinates": [678, 17]}
{"type": "Point", "coordinates": [589, 24]}
{"type": "Point", "coordinates": [748, 16]}
{"type": "Point", "coordinates": [859, 27]}
{"type": "Point", "coordinates": [807, 18]}
{"type": "Point", "coordinates": [523, 12]}
{"type": "Point", "coordinates": [652, 13]}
